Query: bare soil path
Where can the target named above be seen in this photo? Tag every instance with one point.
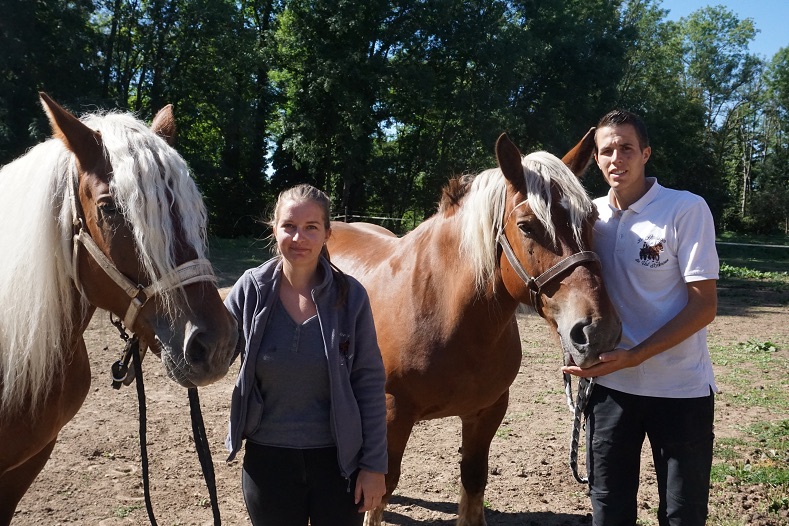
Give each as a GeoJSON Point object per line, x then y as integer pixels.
{"type": "Point", "coordinates": [94, 475]}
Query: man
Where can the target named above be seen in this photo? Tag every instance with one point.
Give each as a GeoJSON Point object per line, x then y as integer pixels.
{"type": "Point", "coordinates": [660, 266]}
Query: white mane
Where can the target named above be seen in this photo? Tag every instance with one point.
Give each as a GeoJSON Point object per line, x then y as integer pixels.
{"type": "Point", "coordinates": [482, 213]}
{"type": "Point", "coordinates": [149, 181]}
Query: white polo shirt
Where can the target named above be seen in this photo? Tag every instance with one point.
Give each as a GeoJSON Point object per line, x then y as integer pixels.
{"type": "Point", "coordinates": [648, 254]}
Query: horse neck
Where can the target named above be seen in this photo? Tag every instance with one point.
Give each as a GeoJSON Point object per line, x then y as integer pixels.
{"type": "Point", "coordinates": [495, 301]}
{"type": "Point", "coordinates": [436, 249]}
{"type": "Point", "coordinates": [81, 315]}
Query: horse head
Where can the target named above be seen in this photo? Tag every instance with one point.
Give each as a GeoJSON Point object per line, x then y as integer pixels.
{"type": "Point", "coordinates": [545, 240]}
{"type": "Point", "coordinates": [138, 248]}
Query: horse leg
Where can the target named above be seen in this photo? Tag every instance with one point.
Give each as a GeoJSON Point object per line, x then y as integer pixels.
{"type": "Point", "coordinates": [398, 430]}
{"type": "Point", "coordinates": [15, 482]}
{"type": "Point", "coordinates": [479, 428]}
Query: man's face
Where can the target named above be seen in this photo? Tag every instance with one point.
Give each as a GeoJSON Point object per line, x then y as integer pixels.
{"type": "Point", "coordinates": [620, 157]}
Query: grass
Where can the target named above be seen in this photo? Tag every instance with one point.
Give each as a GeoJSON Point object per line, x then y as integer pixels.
{"type": "Point", "coordinates": [744, 367]}
{"type": "Point", "coordinates": [753, 465]}
{"type": "Point", "coordinates": [756, 465]}
{"type": "Point", "coordinates": [756, 461]}
{"type": "Point", "coordinates": [503, 432]}
{"type": "Point", "coordinates": [231, 257]}
{"type": "Point", "coordinates": [747, 262]}
{"type": "Point", "coordinates": [122, 512]}
{"type": "Point", "coordinates": [753, 255]}
{"type": "Point", "coordinates": [766, 458]}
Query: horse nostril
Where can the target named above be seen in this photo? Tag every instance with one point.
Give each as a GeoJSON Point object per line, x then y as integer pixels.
{"type": "Point", "coordinates": [578, 334]}
{"type": "Point", "coordinates": [196, 351]}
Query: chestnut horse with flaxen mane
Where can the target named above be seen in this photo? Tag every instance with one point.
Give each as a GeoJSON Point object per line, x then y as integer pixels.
{"type": "Point", "coordinates": [104, 215]}
{"type": "Point", "coordinates": [444, 298]}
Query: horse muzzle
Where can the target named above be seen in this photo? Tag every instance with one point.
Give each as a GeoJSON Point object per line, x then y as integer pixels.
{"type": "Point", "coordinates": [583, 343]}
{"type": "Point", "coordinates": [197, 356]}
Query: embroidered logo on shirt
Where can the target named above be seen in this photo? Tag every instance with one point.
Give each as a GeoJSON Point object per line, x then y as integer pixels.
{"type": "Point", "coordinates": [649, 254]}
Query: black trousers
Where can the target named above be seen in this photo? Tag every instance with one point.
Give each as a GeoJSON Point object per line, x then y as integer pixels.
{"type": "Point", "coordinates": [291, 487]}
{"type": "Point", "coordinates": [680, 432]}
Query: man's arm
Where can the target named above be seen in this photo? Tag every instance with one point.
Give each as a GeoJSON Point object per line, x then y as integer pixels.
{"type": "Point", "coordinates": [698, 313]}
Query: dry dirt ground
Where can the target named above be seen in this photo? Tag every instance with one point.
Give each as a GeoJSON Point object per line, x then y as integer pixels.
{"type": "Point", "coordinates": [94, 475]}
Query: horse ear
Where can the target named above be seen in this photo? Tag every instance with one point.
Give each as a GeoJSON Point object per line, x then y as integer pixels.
{"type": "Point", "coordinates": [163, 124]}
{"type": "Point", "coordinates": [509, 158]}
{"type": "Point", "coordinates": [80, 139]}
{"type": "Point", "coordinates": [580, 156]}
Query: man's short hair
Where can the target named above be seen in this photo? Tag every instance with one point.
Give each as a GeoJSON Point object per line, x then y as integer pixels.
{"type": "Point", "coordinates": [619, 117]}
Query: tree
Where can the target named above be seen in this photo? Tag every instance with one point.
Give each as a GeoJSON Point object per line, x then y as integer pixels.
{"type": "Point", "coordinates": [717, 62]}
{"type": "Point", "coordinates": [447, 97]}
{"type": "Point", "coordinates": [224, 48]}
{"type": "Point", "coordinates": [32, 34]}
{"type": "Point", "coordinates": [571, 57]}
{"type": "Point", "coordinates": [380, 102]}
{"type": "Point", "coordinates": [769, 207]}
{"type": "Point", "coordinates": [651, 85]}
{"type": "Point", "coordinates": [210, 59]}
{"type": "Point", "coordinates": [329, 72]}
{"type": "Point", "coordinates": [717, 74]}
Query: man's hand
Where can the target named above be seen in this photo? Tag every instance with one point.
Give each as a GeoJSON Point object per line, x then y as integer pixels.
{"type": "Point", "coordinates": [609, 362]}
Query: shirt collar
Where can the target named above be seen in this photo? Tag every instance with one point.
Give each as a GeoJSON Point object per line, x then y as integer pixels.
{"type": "Point", "coordinates": [642, 203]}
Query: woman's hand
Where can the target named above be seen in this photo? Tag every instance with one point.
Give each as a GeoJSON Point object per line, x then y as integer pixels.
{"type": "Point", "coordinates": [370, 489]}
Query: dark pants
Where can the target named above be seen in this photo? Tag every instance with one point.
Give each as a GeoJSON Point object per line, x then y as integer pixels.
{"type": "Point", "coordinates": [291, 487]}
{"type": "Point", "coordinates": [680, 431]}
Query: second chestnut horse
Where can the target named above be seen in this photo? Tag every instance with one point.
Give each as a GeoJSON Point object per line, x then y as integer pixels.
{"type": "Point", "coordinates": [444, 297]}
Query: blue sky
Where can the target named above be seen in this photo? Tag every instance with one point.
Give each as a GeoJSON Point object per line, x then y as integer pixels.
{"type": "Point", "coordinates": [771, 18]}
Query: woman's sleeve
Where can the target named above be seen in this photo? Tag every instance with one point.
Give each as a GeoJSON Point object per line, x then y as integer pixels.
{"type": "Point", "coordinates": [368, 381]}
{"type": "Point", "coordinates": [234, 302]}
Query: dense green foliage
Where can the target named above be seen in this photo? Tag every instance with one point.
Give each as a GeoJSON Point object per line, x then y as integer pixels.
{"type": "Point", "coordinates": [380, 102]}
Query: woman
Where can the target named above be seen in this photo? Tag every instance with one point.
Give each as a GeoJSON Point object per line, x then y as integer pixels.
{"type": "Point", "coordinates": [309, 398]}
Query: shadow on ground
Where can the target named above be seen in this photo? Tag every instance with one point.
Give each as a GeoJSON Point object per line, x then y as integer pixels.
{"type": "Point", "coordinates": [493, 517]}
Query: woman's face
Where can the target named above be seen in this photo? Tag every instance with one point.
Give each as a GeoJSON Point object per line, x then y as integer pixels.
{"type": "Point", "coordinates": [301, 232]}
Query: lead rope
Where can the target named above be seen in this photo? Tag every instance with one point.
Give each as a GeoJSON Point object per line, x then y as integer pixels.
{"type": "Point", "coordinates": [146, 486]}
{"type": "Point", "coordinates": [203, 451]}
{"type": "Point", "coordinates": [585, 386]}
{"type": "Point", "coordinates": [119, 372]}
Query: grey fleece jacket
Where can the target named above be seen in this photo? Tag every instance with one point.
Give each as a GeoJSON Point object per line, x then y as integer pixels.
{"type": "Point", "coordinates": [356, 371]}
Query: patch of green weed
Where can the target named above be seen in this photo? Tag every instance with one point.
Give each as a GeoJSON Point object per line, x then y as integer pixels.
{"type": "Point", "coordinates": [730, 271]}
{"type": "Point", "coordinates": [503, 432]}
{"type": "Point", "coordinates": [762, 457]}
{"type": "Point", "coordinates": [742, 361]}
{"type": "Point", "coordinates": [754, 346]}
{"type": "Point", "coordinates": [124, 511]}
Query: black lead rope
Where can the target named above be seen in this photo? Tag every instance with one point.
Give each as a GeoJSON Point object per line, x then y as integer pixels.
{"type": "Point", "coordinates": [135, 352]}
{"type": "Point", "coordinates": [119, 370]}
{"type": "Point", "coordinates": [203, 451]}
{"type": "Point", "coordinates": [585, 386]}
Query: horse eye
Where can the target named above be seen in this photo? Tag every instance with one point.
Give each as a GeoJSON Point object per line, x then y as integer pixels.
{"type": "Point", "coordinates": [108, 209]}
{"type": "Point", "coordinates": [526, 229]}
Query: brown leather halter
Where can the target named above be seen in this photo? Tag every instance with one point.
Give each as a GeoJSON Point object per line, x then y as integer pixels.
{"type": "Point", "coordinates": [535, 285]}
